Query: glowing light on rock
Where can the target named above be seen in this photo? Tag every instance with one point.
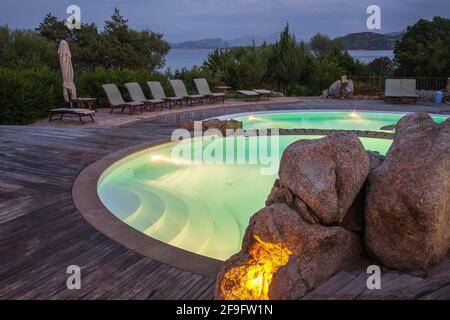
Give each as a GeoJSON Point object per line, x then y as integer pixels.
{"type": "Point", "coordinates": [252, 280]}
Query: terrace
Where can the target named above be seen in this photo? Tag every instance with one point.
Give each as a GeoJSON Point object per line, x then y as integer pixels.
{"type": "Point", "coordinates": [42, 232]}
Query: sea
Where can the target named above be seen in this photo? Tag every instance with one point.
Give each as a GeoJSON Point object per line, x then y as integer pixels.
{"type": "Point", "coordinates": [178, 59]}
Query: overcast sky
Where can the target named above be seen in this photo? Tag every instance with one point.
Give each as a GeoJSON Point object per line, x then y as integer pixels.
{"type": "Point", "coordinates": [182, 20]}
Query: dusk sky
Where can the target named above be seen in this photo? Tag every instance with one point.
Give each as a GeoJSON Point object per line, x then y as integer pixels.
{"type": "Point", "coordinates": [182, 20]}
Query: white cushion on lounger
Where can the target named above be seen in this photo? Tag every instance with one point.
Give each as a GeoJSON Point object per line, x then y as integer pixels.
{"type": "Point", "coordinates": [248, 92]}
{"type": "Point", "coordinates": [409, 88]}
{"type": "Point", "coordinates": [217, 94]}
{"type": "Point", "coordinates": [393, 88]}
{"type": "Point", "coordinates": [262, 91]}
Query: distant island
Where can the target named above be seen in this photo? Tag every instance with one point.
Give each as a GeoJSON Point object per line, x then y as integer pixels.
{"type": "Point", "coordinates": [371, 40]}
{"type": "Point", "coordinates": [353, 41]}
{"type": "Point", "coordinates": [201, 44]}
{"type": "Point", "coordinates": [220, 43]}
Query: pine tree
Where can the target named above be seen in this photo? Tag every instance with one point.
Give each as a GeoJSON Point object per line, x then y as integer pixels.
{"type": "Point", "coordinates": [53, 29]}
{"type": "Point", "coordinates": [286, 60]}
{"type": "Point", "coordinates": [117, 23]}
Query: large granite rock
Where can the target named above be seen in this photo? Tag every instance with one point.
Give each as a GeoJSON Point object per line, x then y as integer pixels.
{"type": "Point", "coordinates": [407, 214]}
{"type": "Point", "coordinates": [187, 124]}
{"type": "Point", "coordinates": [316, 253]}
{"type": "Point", "coordinates": [340, 88]}
{"type": "Point", "coordinates": [230, 125]}
{"type": "Point", "coordinates": [354, 218]}
{"type": "Point", "coordinates": [212, 124]}
{"type": "Point", "coordinates": [221, 125]}
{"type": "Point", "coordinates": [321, 178]}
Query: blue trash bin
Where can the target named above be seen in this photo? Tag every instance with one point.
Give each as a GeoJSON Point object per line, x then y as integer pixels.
{"type": "Point", "coordinates": [438, 97]}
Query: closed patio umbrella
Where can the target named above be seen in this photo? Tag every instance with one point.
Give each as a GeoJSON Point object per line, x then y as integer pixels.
{"type": "Point", "coordinates": [65, 60]}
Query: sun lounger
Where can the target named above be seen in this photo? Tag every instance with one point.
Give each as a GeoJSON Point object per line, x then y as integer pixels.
{"type": "Point", "coordinates": [137, 95]}
{"type": "Point", "coordinates": [254, 93]}
{"type": "Point", "coordinates": [263, 92]}
{"type": "Point", "coordinates": [180, 91]}
{"type": "Point", "coordinates": [248, 93]}
{"type": "Point", "coordinates": [392, 89]}
{"type": "Point", "coordinates": [158, 93]}
{"type": "Point", "coordinates": [408, 87]}
{"type": "Point", "coordinates": [402, 90]}
{"type": "Point", "coordinates": [116, 101]}
{"type": "Point", "coordinates": [203, 89]}
{"type": "Point", "coordinates": [72, 111]}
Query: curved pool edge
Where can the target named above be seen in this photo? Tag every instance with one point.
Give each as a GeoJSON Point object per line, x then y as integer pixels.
{"type": "Point", "coordinates": [88, 203]}
{"type": "Point", "coordinates": [266, 112]}
{"type": "Point", "coordinates": [86, 199]}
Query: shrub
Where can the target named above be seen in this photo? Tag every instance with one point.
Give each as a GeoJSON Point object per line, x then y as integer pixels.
{"type": "Point", "coordinates": [188, 77]}
{"type": "Point", "coordinates": [28, 94]}
{"type": "Point", "coordinates": [224, 64]}
{"type": "Point", "coordinates": [288, 62]}
{"type": "Point", "coordinates": [424, 50]}
{"type": "Point", "coordinates": [368, 86]}
{"type": "Point", "coordinates": [26, 49]}
{"type": "Point", "coordinates": [382, 67]}
{"type": "Point", "coordinates": [286, 66]}
{"type": "Point", "coordinates": [253, 67]}
{"type": "Point", "coordinates": [324, 73]}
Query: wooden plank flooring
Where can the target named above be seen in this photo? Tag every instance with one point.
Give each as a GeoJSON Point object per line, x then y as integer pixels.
{"type": "Point", "coordinates": [42, 233]}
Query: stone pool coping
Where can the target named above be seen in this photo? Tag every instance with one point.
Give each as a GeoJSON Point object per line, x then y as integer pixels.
{"type": "Point", "coordinates": [88, 203]}
{"type": "Point", "coordinates": [103, 118]}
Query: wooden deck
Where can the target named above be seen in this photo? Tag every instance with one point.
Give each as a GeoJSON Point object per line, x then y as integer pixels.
{"type": "Point", "coordinates": [42, 233]}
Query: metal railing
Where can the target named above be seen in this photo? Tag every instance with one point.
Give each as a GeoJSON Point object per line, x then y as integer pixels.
{"type": "Point", "coordinates": [368, 86]}
{"type": "Point", "coordinates": [426, 87]}
{"type": "Point", "coordinates": [373, 87]}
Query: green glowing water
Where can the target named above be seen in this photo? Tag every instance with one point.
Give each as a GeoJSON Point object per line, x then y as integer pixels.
{"type": "Point", "coordinates": [372, 121]}
{"type": "Point", "coordinates": [203, 208]}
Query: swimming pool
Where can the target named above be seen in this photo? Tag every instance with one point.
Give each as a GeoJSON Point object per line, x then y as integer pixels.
{"type": "Point", "coordinates": [200, 207]}
{"type": "Point", "coordinates": [204, 206]}
{"type": "Point", "coordinates": [348, 120]}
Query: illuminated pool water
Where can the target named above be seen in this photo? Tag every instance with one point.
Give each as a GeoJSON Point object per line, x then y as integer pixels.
{"type": "Point", "coordinates": [200, 207]}
{"type": "Point", "coordinates": [348, 120]}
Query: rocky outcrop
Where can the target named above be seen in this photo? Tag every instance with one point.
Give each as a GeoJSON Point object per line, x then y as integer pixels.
{"type": "Point", "coordinates": [221, 125]}
{"type": "Point", "coordinates": [230, 125]}
{"type": "Point", "coordinates": [212, 124]}
{"type": "Point", "coordinates": [187, 124]}
{"type": "Point", "coordinates": [341, 88]}
{"type": "Point", "coordinates": [407, 214]}
{"type": "Point", "coordinates": [354, 218]}
{"type": "Point", "coordinates": [316, 253]}
{"type": "Point", "coordinates": [321, 178]}
{"type": "Point", "coordinates": [318, 183]}
{"type": "Point", "coordinates": [331, 193]}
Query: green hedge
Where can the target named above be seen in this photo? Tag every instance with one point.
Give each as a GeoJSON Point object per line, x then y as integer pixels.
{"type": "Point", "coordinates": [188, 76]}
{"type": "Point", "coordinates": [27, 95]}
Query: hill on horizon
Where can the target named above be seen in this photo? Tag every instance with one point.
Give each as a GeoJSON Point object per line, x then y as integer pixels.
{"type": "Point", "coordinates": [353, 41]}
{"type": "Point", "coordinates": [371, 40]}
